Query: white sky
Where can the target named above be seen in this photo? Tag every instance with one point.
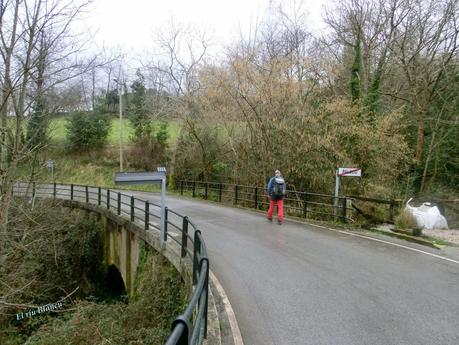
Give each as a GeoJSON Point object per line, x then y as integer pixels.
{"type": "Point", "coordinates": [130, 24]}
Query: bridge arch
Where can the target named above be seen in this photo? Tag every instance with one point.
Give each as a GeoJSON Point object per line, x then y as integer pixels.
{"type": "Point", "coordinates": [114, 283]}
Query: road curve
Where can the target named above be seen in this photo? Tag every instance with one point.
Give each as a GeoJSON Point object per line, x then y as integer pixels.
{"type": "Point", "coordinates": [299, 284]}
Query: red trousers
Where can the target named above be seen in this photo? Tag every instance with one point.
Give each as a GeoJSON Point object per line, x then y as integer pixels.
{"type": "Point", "coordinates": [280, 209]}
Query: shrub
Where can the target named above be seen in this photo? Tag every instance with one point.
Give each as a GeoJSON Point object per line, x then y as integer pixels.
{"type": "Point", "coordinates": [87, 130]}
{"type": "Point", "coordinates": [150, 151]}
{"type": "Point", "coordinates": [405, 220]}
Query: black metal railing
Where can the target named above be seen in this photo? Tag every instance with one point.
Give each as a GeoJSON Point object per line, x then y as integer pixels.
{"type": "Point", "coordinates": [301, 204]}
{"type": "Point", "coordinates": [189, 327]}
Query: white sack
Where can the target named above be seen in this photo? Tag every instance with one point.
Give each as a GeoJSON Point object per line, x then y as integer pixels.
{"type": "Point", "coordinates": [427, 217]}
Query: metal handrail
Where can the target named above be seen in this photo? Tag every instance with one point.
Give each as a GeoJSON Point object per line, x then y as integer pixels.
{"type": "Point", "coordinates": [189, 328]}
{"type": "Point", "coordinates": [302, 203]}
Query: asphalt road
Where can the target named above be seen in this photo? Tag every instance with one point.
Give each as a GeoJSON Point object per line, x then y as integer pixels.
{"type": "Point", "coordinates": [299, 284]}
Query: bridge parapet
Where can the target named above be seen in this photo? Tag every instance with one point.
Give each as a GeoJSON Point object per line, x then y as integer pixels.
{"type": "Point", "coordinates": [129, 221]}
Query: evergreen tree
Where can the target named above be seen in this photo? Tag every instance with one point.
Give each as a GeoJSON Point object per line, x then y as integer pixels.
{"type": "Point", "coordinates": [37, 126]}
{"type": "Point", "coordinates": [138, 111]}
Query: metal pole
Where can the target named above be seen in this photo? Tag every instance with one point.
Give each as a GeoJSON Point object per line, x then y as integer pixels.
{"type": "Point", "coordinates": [305, 206]}
{"type": "Point", "coordinates": [162, 225]}
{"type": "Point", "coordinates": [166, 215]}
{"type": "Point", "coordinates": [184, 236]}
{"type": "Point", "coordinates": [132, 208]}
{"type": "Point", "coordinates": [121, 127]}
{"type": "Point", "coordinates": [336, 192]}
{"type": "Point", "coordinates": [147, 215]}
{"type": "Point", "coordinates": [344, 209]}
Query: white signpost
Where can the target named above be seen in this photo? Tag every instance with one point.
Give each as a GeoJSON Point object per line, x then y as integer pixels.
{"type": "Point", "coordinates": [344, 172]}
{"type": "Point", "coordinates": [355, 172]}
{"type": "Point", "coordinates": [158, 176]}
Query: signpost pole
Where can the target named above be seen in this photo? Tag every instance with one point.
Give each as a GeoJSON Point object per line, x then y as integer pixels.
{"type": "Point", "coordinates": [162, 226]}
{"type": "Point", "coordinates": [335, 209]}
{"type": "Point", "coordinates": [351, 172]}
{"type": "Point", "coordinates": [145, 178]}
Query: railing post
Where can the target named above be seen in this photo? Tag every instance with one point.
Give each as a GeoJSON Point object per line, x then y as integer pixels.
{"type": "Point", "coordinates": [54, 190]}
{"type": "Point", "coordinates": [236, 190]}
{"type": "Point", "coordinates": [87, 194]}
{"type": "Point", "coordinates": [256, 197]}
{"type": "Point", "coordinates": [349, 208]}
{"type": "Point", "coordinates": [391, 210]}
{"type": "Point", "coordinates": [206, 304]}
{"type": "Point", "coordinates": [194, 189]}
{"type": "Point", "coordinates": [335, 208]}
{"type": "Point", "coordinates": [344, 209]}
{"type": "Point", "coordinates": [119, 203]}
{"type": "Point", "coordinates": [184, 236]}
{"type": "Point", "coordinates": [132, 208]}
{"type": "Point", "coordinates": [71, 191]}
{"type": "Point", "coordinates": [99, 196]}
{"type": "Point", "coordinates": [181, 187]}
{"type": "Point", "coordinates": [166, 216]}
{"type": "Point", "coordinates": [147, 215]}
{"type": "Point", "coordinates": [206, 187]}
{"type": "Point", "coordinates": [220, 192]}
{"type": "Point", "coordinates": [196, 251]}
{"type": "Point", "coordinates": [305, 206]}
{"type": "Point", "coordinates": [108, 199]}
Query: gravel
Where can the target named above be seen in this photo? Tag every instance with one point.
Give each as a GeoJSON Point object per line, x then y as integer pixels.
{"type": "Point", "coordinates": [451, 235]}
{"type": "Point", "coordinates": [447, 235]}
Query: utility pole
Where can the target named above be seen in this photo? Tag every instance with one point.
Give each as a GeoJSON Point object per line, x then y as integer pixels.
{"type": "Point", "coordinates": [120, 93]}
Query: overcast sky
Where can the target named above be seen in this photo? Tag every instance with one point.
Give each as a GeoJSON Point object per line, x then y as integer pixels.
{"type": "Point", "coordinates": [130, 24]}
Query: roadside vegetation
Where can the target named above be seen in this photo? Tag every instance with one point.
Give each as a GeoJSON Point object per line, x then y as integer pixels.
{"type": "Point", "coordinates": [57, 256]}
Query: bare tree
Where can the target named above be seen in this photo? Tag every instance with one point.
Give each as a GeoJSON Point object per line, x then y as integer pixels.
{"type": "Point", "coordinates": [407, 46]}
{"type": "Point", "coordinates": [38, 53]}
{"type": "Point", "coordinates": [184, 52]}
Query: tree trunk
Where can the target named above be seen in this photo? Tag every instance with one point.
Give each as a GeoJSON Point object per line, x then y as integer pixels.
{"type": "Point", "coordinates": [420, 136]}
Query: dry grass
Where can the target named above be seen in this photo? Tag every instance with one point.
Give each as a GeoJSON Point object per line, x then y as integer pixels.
{"type": "Point", "coordinates": [405, 220]}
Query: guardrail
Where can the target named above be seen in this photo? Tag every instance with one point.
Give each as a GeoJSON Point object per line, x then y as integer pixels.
{"type": "Point", "coordinates": [302, 204]}
{"type": "Point", "coordinates": [189, 327]}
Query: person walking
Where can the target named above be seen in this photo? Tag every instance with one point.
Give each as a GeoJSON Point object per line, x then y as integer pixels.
{"type": "Point", "coordinates": [276, 192]}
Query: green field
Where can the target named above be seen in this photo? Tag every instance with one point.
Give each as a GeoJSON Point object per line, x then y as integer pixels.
{"type": "Point", "coordinates": [96, 167]}
{"type": "Point", "coordinates": [57, 131]}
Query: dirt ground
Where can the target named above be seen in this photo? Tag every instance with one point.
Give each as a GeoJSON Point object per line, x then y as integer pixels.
{"type": "Point", "coordinates": [451, 235]}
{"type": "Point", "coordinates": [447, 235]}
